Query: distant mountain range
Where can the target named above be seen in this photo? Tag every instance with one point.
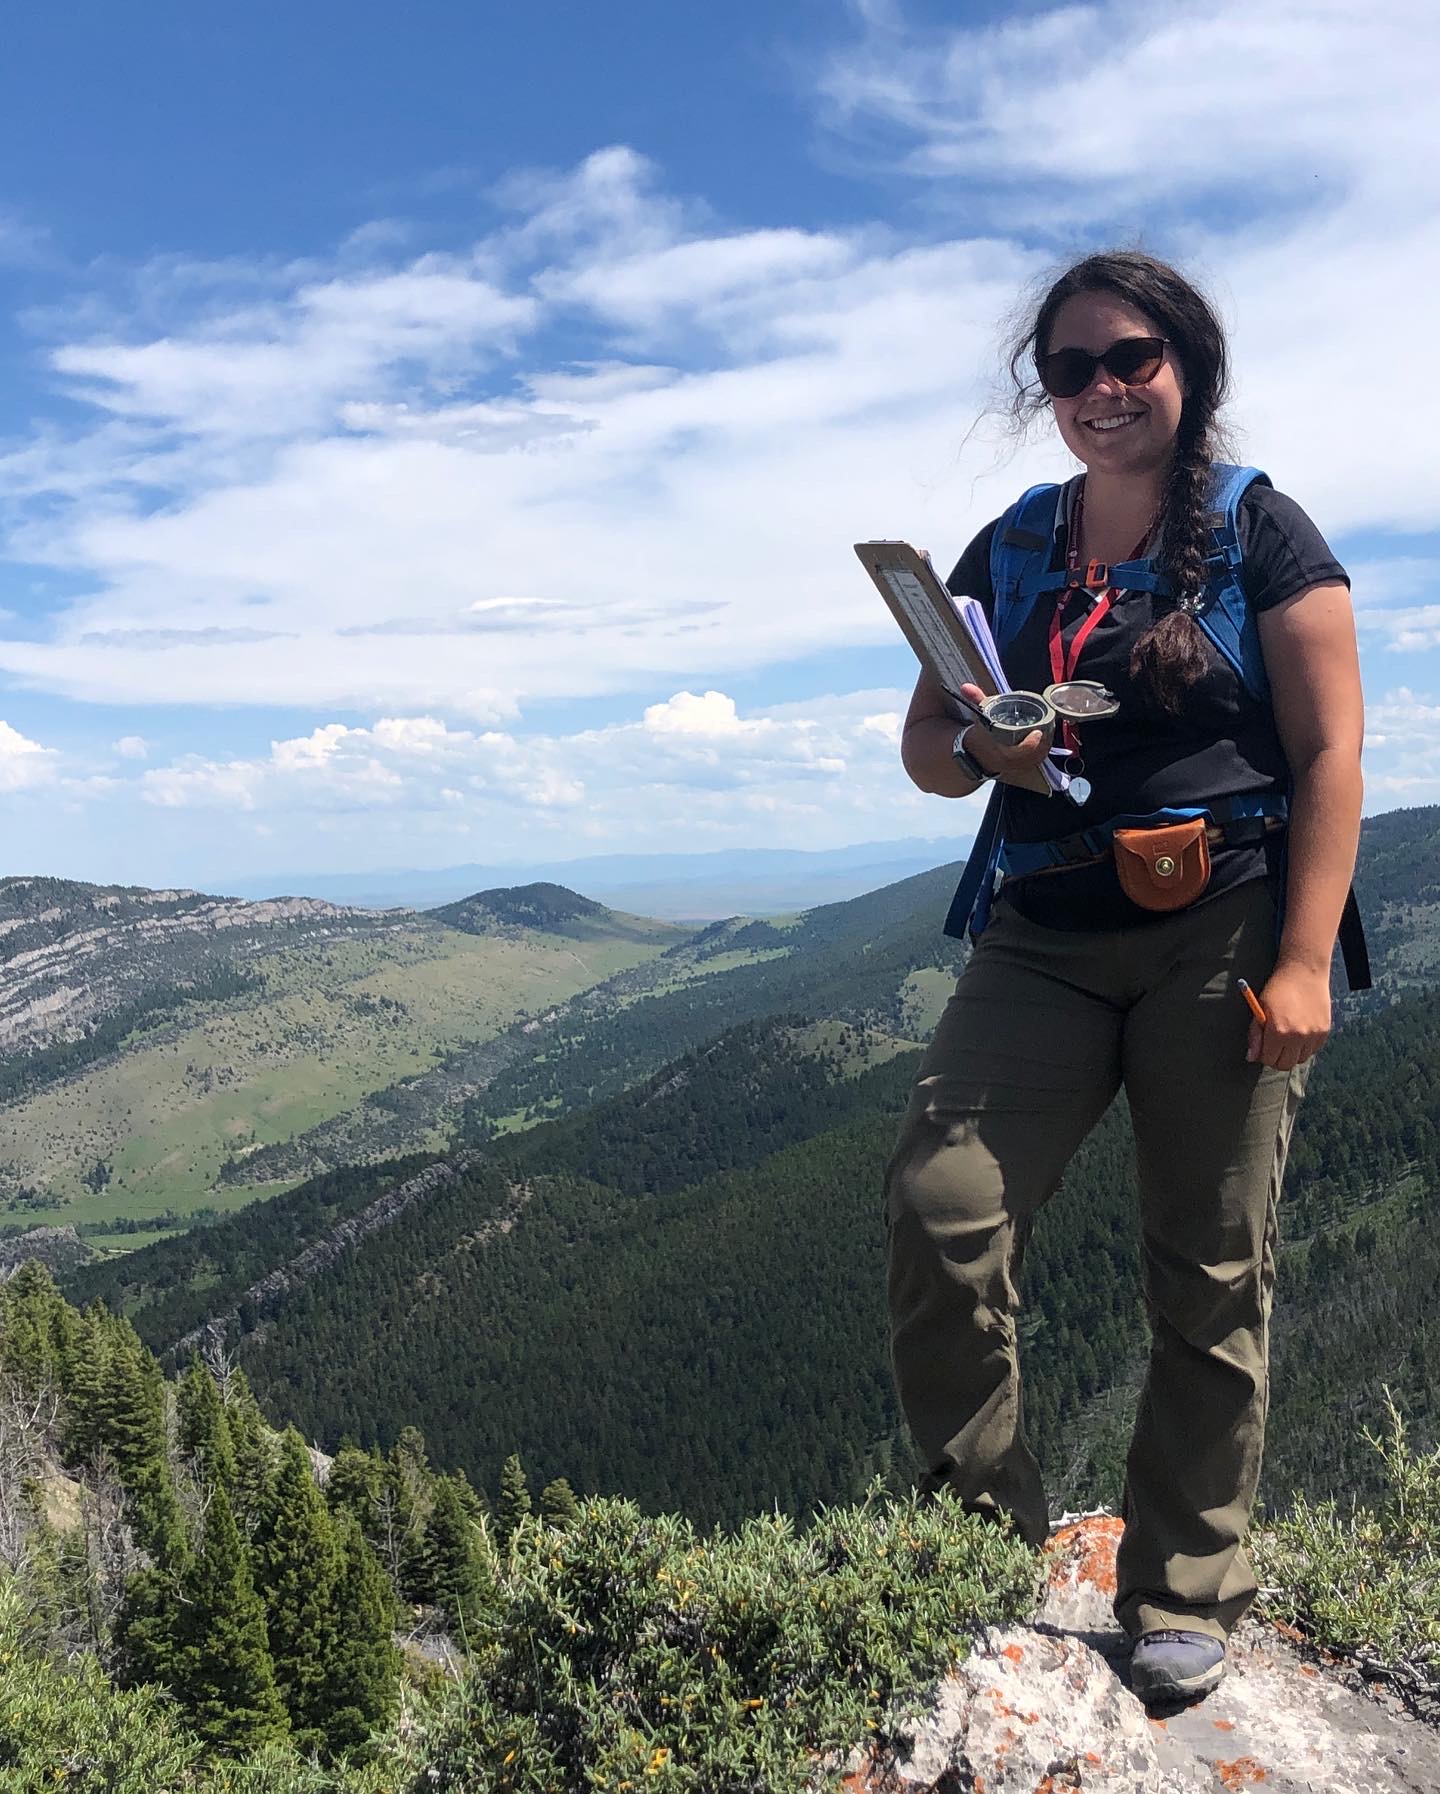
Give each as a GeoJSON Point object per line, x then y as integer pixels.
{"type": "Point", "coordinates": [677, 886]}
{"type": "Point", "coordinates": [164, 1053]}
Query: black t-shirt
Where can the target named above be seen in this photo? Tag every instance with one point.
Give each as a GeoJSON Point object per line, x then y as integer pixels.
{"type": "Point", "coordinates": [1224, 742]}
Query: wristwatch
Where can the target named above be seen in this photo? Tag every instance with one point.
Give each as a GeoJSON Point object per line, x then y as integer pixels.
{"type": "Point", "coordinates": [971, 768]}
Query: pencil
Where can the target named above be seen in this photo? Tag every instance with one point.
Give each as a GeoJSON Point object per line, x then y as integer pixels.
{"type": "Point", "coordinates": [1253, 1001]}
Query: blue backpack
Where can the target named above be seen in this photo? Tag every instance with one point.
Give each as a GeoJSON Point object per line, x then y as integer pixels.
{"type": "Point", "coordinates": [1022, 573]}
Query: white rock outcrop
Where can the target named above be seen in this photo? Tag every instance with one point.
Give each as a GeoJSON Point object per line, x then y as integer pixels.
{"type": "Point", "coordinates": [1046, 1708]}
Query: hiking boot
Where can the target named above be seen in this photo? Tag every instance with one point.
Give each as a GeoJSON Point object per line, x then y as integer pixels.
{"type": "Point", "coordinates": [1175, 1666]}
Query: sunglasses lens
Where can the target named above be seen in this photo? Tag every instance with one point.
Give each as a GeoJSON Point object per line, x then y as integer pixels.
{"type": "Point", "coordinates": [1135, 359]}
{"type": "Point", "coordinates": [1066, 372]}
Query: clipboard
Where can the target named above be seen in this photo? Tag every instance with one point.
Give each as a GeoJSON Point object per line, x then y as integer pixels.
{"type": "Point", "coordinates": [943, 646]}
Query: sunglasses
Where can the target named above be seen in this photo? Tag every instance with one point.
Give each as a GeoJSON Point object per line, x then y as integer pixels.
{"type": "Point", "coordinates": [1134, 360]}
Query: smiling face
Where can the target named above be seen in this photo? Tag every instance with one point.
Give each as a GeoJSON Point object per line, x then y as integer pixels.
{"type": "Point", "coordinates": [1114, 428]}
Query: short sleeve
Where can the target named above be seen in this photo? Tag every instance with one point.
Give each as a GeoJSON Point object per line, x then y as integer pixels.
{"type": "Point", "coordinates": [1284, 552]}
{"type": "Point", "coordinates": [971, 575]}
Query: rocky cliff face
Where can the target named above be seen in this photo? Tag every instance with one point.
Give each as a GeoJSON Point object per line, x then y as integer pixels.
{"type": "Point", "coordinates": [72, 953]}
{"type": "Point", "coordinates": [1047, 1707]}
{"type": "Point", "coordinates": [61, 1248]}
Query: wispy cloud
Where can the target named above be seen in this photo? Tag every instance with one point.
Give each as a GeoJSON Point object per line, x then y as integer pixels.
{"type": "Point", "coordinates": [1110, 107]}
{"type": "Point", "coordinates": [694, 763]}
{"type": "Point", "coordinates": [376, 464]}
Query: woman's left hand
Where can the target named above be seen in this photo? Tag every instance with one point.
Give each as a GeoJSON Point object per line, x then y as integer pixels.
{"type": "Point", "coordinates": [1296, 1001]}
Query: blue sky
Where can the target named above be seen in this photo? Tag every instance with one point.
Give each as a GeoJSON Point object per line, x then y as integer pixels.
{"type": "Point", "coordinates": [438, 435]}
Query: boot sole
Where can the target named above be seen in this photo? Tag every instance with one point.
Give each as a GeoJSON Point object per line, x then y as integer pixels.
{"type": "Point", "coordinates": [1177, 1688]}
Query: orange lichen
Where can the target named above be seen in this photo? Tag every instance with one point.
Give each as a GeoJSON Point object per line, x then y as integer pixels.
{"type": "Point", "coordinates": [1242, 1772]}
{"type": "Point", "coordinates": [861, 1781]}
{"type": "Point", "coordinates": [1308, 1669]}
{"type": "Point", "coordinates": [1223, 1725]}
{"type": "Point", "coordinates": [1013, 1653]}
{"type": "Point", "coordinates": [1090, 1546]}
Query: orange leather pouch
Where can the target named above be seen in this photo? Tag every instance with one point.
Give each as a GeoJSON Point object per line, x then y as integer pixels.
{"type": "Point", "coordinates": [1163, 868]}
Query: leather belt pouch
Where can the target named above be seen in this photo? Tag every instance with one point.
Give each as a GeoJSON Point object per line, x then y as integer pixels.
{"type": "Point", "coordinates": [1163, 868]}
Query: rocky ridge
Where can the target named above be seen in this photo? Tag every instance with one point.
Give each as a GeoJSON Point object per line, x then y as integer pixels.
{"type": "Point", "coordinates": [61, 1248]}
{"type": "Point", "coordinates": [1046, 1708]}
{"type": "Point", "coordinates": [72, 961]}
{"type": "Point", "coordinates": [265, 1296]}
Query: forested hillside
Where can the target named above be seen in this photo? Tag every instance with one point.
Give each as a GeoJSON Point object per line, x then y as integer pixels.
{"type": "Point", "coordinates": [680, 1293]}
{"type": "Point", "coordinates": [875, 958]}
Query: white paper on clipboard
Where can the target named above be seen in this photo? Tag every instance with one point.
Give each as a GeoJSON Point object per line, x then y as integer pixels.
{"type": "Point", "coordinates": [950, 637]}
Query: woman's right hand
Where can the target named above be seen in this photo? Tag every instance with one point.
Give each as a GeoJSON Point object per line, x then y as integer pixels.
{"type": "Point", "coordinates": [998, 757]}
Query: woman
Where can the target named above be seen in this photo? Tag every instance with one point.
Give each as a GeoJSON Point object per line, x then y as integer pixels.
{"type": "Point", "coordinates": [1075, 989]}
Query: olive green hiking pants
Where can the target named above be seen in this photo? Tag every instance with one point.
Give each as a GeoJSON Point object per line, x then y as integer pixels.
{"type": "Point", "coordinates": [1044, 1027]}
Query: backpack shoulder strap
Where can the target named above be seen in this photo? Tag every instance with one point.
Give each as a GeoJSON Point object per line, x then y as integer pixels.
{"type": "Point", "coordinates": [1020, 556]}
{"type": "Point", "coordinates": [970, 906]}
{"type": "Point", "coordinates": [1226, 616]}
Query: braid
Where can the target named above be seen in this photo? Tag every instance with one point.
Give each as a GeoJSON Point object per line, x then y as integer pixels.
{"type": "Point", "coordinates": [1170, 657]}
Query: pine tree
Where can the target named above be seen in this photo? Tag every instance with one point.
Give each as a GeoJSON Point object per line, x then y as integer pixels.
{"type": "Point", "coordinates": [131, 1428]}
{"type": "Point", "coordinates": [253, 1450]}
{"type": "Point", "coordinates": [456, 1560]}
{"type": "Point", "coordinates": [558, 1506]}
{"type": "Point", "coordinates": [361, 1687]}
{"type": "Point", "coordinates": [295, 1569]}
{"type": "Point", "coordinates": [85, 1406]}
{"type": "Point", "coordinates": [353, 1487]}
{"type": "Point", "coordinates": [223, 1671]}
{"type": "Point", "coordinates": [514, 1503]}
{"type": "Point", "coordinates": [203, 1429]}
{"type": "Point", "coordinates": [38, 1328]}
{"type": "Point", "coordinates": [470, 1497]}
{"type": "Point", "coordinates": [404, 1508]}
{"type": "Point", "coordinates": [154, 1625]}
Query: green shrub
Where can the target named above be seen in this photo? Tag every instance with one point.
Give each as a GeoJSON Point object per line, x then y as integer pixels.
{"type": "Point", "coordinates": [66, 1728]}
{"type": "Point", "coordinates": [623, 1651]}
{"type": "Point", "coordinates": [633, 1651]}
{"type": "Point", "coordinates": [1367, 1585]}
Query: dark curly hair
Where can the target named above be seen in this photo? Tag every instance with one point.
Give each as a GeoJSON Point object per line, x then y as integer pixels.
{"type": "Point", "coordinates": [1171, 655]}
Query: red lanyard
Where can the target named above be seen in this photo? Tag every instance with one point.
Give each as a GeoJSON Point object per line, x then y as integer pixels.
{"type": "Point", "coordinates": [1062, 662]}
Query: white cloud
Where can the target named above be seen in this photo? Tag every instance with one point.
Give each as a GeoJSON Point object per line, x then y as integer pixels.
{"type": "Point", "coordinates": [1391, 605]}
{"type": "Point", "coordinates": [685, 714]}
{"type": "Point", "coordinates": [276, 369]}
{"type": "Point", "coordinates": [1116, 104]}
{"type": "Point", "coordinates": [132, 747]}
{"type": "Point", "coordinates": [1402, 749]}
{"type": "Point", "coordinates": [23, 763]}
{"type": "Point", "coordinates": [690, 770]}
